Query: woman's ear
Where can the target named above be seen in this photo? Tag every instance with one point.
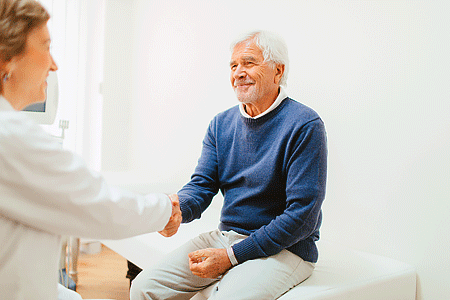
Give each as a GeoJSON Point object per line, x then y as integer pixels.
{"type": "Point", "coordinates": [6, 68]}
{"type": "Point", "coordinates": [5, 74]}
{"type": "Point", "coordinates": [3, 70]}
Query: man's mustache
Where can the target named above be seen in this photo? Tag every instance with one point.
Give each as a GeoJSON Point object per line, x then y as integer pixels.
{"type": "Point", "coordinates": [238, 83]}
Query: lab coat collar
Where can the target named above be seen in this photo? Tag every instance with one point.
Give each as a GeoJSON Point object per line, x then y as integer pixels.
{"type": "Point", "coordinates": [5, 105]}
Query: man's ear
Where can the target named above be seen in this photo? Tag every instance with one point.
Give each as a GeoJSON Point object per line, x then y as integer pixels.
{"type": "Point", "coordinates": [279, 71]}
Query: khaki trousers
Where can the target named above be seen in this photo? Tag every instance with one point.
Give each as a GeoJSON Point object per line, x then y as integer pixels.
{"type": "Point", "coordinates": [264, 278]}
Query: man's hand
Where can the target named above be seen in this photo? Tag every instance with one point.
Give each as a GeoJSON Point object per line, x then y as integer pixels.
{"type": "Point", "coordinates": [175, 219]}
{"type": "Point", "coordinates": [209, 263]}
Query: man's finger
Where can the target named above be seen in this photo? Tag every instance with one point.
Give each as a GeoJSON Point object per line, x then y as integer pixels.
{"type": "Point", "coordinates": [198, 255]}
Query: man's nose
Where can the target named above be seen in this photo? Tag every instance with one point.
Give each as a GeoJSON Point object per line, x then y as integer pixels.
{"type": "Point", "coordinates": [239, 72]}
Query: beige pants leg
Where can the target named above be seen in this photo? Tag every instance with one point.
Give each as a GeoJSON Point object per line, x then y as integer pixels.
{"type": "Point", "coordinates": [265, 278]}
{"type": "Point", "coordinates": [171, 279]}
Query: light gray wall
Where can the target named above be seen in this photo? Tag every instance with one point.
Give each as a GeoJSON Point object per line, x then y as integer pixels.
{"type": "Point", "coordinates": [116, 87]}
{"type": "Point", "coordinates": [376, 71]}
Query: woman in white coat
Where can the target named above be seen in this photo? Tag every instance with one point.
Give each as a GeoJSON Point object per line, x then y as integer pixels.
{"type": "Point", "coordinates": [46, 192]}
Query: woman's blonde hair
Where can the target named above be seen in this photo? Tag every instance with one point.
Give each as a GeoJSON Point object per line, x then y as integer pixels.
{"type": "Point", "coordinates": [17, 19]}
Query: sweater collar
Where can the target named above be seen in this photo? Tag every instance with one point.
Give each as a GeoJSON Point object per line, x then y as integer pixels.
{"type": "Point", "coordinates": [281, 96]}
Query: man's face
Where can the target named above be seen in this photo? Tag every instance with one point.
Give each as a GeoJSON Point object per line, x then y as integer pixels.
{"type": "Point", "coordinates": [253, 80]}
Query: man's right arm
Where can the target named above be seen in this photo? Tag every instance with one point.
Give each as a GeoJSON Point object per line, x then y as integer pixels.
{"type": "Point", "coordinates": [197, 195]}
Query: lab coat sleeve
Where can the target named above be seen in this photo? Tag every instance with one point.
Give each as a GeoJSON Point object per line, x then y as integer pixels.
{"type": "Point", "coordinates": [53, 190]}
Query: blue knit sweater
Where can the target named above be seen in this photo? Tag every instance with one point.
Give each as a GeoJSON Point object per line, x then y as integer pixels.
{"type": "Point", "coordinates": [272, 174]}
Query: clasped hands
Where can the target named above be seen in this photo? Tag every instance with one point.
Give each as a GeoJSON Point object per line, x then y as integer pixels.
{"type": "Point", "coordinates": [175, 219]}
{"type": "Point", "coordinates": [205, 263]}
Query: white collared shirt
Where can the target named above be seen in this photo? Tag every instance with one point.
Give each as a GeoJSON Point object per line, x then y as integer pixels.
{"type": "Point", "coordinates": [281, 96]}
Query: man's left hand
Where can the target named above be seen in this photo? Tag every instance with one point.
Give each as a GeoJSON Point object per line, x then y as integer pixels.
{"type": "Point", "coordinates": [209, 263]}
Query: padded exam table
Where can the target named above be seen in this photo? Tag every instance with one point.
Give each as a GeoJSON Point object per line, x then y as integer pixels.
{"type": "Point", "coordinates": [340, 274]}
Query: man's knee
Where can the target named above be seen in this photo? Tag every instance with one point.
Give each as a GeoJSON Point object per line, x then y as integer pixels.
{"type": "Point", "coordinates": [152, 284]}
{"type": "Point", "coordinates": [140, 287]}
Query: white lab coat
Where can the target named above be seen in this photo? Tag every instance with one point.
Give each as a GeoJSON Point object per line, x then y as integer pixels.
{"type": "Point", "coordinates": [46, 192]}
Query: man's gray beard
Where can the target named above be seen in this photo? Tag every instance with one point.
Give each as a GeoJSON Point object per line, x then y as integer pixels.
{"type": "Point", "coordinates": [250, 99]}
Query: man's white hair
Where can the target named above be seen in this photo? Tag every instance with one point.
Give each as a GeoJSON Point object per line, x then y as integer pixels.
{"type": "Point", "coordinates": [273, 47]}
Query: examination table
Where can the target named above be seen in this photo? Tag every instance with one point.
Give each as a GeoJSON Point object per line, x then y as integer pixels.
{"type": "Point", "coordinates": [340, 274]}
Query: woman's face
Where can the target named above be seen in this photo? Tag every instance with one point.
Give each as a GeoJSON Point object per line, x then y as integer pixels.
{"type": "Point", "coordinates": [31, 69]}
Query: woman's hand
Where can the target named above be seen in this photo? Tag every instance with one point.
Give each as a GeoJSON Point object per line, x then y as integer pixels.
{"type": "Point", "coordinates": [175, 219]}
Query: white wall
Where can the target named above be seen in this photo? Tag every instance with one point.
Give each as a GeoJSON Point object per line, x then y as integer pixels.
{"type": "Point", "coordinates": [63, 26]}
{"type": "Point", "coordinates": [76, 28]}
{"type": "Point", "coordinates": [376, 71]}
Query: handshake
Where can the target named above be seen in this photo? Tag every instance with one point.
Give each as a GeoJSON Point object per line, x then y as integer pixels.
{"type": "Point", "coordinates": [205, 263]}
{"type": "Point", "coordinates": [175, 219]}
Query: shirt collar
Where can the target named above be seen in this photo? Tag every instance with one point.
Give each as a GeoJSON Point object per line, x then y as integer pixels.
{"type": "Point", "coordinates": [5, 105]}
{"type": "Point", "coordinates": [281, 96]}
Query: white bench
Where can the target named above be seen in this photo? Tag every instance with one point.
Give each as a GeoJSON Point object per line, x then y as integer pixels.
{"type": "Point", "coordinates": [345, 274]}
{"type": "Point", "coordinates": [340, 274]}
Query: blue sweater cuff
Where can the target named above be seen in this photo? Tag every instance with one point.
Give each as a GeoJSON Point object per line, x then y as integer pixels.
{"type": "Point", "coordinates": [186, 211]}
{"type": "Point", "coordinates": [247, 250]}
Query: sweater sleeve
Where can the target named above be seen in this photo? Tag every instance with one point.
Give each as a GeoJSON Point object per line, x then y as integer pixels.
{"type": "Point", "coordinates": [197, 195]}
{"type": "Point", "coordinates": [53, 190]}
{"type": "Point", "coordinates": [305, 191]}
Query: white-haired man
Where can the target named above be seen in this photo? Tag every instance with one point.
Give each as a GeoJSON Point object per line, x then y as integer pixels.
{"type": "Point", "coordinates": [268, 158]}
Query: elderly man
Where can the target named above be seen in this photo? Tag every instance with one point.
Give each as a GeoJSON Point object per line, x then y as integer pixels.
{"type": "Point", "coordinates": [268, 158]}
